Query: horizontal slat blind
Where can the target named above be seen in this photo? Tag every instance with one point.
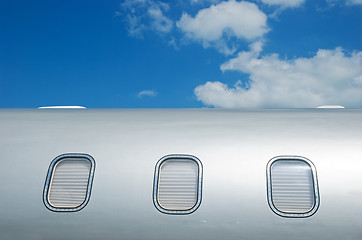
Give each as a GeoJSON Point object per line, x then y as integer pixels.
{"type": "Point", "coordinates": [178, 184]}
{"type": "Point", "coordinates": [292, 186]}
{"type": "Point", "coordinates": [68, 187]}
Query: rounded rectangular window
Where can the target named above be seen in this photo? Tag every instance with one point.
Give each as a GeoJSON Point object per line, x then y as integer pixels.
{"type": "Point", "coordinates": [177, 184]}
{"type": "Point", "coordinates": [292, 186]}
{"type": "Point", "coordinates": [69, 182]}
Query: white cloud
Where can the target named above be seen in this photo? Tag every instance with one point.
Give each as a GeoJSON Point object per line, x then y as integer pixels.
{"type": "Point", "coordinates": [135, 27]}
{"type": "Point", "coordinates": [148, 93]}
{"type": "Point", "coordinates": [329, 78]}
{"type": "Point", "coordinates": [133, 4]}
{"type": "Point", "coordinates": [284, 3]}
{"type": "Point", "coordinates": [204, 1]}
{"type": "Point", "coordinates": [215, 25]}
{"type": "Point", "coordinates": [159, 21]}
{"type": "Point", "coordinates": [141, 15]}
{"type": "Point", "coordinates": [173, 42]}
{"type": "Point", "coordinates": [354, 2]}
{"type": "Point", "coordinates": [340, 3]}
{"type": "Point", "coordinates": [257, 47]}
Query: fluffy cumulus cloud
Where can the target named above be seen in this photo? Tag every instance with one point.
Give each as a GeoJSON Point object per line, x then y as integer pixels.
{"type": "Point", "coordinates": [213, 26]}
{"type": "Point", "coordinates": [284, 3]}
{"type": "Point", "coordinates": [329, 78]}
{"type": "Point", "coordinates": [147, 93]}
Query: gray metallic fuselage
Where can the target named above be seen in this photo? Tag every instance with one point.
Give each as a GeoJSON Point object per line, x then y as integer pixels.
{"type": "Point", "coordinates": [234, 147]}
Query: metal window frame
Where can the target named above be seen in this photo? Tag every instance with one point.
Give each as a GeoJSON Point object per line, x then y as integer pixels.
{"type": "Point", "coordinates": [315, 187]}
{"type": "Point", "coordinates": [49, 178]}
{"type": "Point", "coordinates": [177, 157]}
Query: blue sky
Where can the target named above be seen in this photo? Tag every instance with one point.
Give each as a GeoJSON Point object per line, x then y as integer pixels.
{"type": "Point", "coordinates": [194, 53]}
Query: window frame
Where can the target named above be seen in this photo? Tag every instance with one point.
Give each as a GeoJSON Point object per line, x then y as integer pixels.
{"type": "Point", "coordinates": [49, 178]}
{"type": "Point", "coordinates": [177, 157]}
{"type": "Point", "coordinates": [314, 181]}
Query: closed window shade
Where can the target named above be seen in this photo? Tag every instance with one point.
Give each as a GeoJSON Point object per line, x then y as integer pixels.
{"type": "Point", "coordinates": [68, 187]}
{"type": "Point", "coordinates": [292, 187]}
{"type": "Point", "coordinates": [177, 188]}
{"type": "Point", "coordinates": [178, 184]}
{"type": "Point", "coordinates": [69, 182]}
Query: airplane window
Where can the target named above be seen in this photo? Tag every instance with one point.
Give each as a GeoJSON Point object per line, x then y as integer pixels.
{"type": "Point", "coordinates": [292, 186]}
{"type": "Point", "coordinates": [69, 182]}
{"type": "Point", "coordinates": [177, 184]}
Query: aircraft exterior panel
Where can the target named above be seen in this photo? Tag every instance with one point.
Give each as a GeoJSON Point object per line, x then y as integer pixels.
{"type": "Point", "coordinates": [234, 147]}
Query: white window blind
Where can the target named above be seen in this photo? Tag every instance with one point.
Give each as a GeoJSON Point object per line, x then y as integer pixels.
{"type": "Point", "coordinates": [178, 184]}
{"type": "Point", "coordinates": [292, 187]}
{"type": "Point", "coordinates": [69, 182]}
{"type": "Point", "coordinates": [68, 187]}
